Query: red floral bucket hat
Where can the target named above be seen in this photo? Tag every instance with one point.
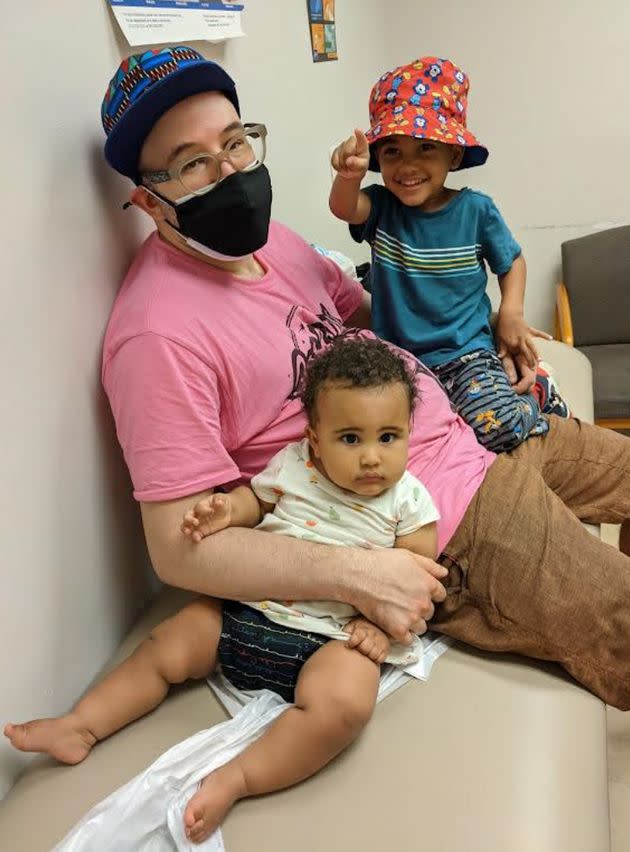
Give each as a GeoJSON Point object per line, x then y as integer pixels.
{"type": "Point", "coordinates": [426, 99]}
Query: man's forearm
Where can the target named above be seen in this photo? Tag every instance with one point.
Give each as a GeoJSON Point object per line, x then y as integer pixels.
{"type": "Point", "coordinates": [243, 564]}
{"type": "Point", "coordinates": [393, 588]}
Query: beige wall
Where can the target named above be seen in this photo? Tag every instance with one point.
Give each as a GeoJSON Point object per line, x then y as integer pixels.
{"type": "Point", "coordinates": [550, 99]}
{"type": "Point", "coordinates": [73, 569]}
{"type": "Point", "coordinates": [306, 106]}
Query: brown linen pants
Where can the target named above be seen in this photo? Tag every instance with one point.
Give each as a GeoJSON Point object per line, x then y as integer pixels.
{"type": "Point", "coordinates": [525, 576]}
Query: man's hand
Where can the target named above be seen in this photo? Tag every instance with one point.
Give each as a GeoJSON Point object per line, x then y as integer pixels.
{"type": "Point", "coordinates": [351, 159]}
{"type": "Point", "coordinates": [368, 639]}
{"type": "Point", "coordinates": [396, 590]}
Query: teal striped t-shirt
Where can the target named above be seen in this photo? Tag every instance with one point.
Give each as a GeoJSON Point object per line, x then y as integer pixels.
{"type": "Point", "coordinates": [428, 276]}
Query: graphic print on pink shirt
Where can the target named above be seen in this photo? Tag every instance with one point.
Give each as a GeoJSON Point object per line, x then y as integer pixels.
{"type": "Point", "coordinates": [202, 370]}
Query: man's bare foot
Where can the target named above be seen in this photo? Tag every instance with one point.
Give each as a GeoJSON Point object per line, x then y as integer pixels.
{"type": "Point", "coordinates": [206, 810]}
{"type": "Point", "coordinates": [63, 738]}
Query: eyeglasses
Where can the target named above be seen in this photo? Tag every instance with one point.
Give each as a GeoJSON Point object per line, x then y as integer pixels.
{"type": "Point", "coordinates": [244, 152]}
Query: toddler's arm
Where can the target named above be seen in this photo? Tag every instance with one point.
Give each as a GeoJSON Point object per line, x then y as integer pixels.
{"type": "Point", "coordinates": [239, 508]}
{"type": "Point", "coordinates": [350, 160]}
{"type": "Point", "coordinates": [512, 333]}
{"type": "Point", "coordinates": [514, 337]}
{"type": "Point", "coordinates": [423, 542]}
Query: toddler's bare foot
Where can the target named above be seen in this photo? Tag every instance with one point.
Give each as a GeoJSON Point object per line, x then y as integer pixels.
{"type": "Point", "coordinates": [63, 738]}
{"type": "Point", "coordinates": [207, 808]}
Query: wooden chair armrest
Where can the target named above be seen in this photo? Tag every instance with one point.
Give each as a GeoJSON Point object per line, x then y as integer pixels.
{"type": "Point", "coordinates": [564, 323]}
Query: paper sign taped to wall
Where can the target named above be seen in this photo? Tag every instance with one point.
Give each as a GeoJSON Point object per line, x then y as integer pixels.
{"type": "Point", "coordinates": [168, 21]}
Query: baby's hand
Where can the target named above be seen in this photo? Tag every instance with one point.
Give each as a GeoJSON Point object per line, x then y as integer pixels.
{"type": "Point", "coordinates": [209, 516]}
{"type": "Point", "coordinates": [352, 158]}
{"type": "Point", "coordinates": [368, 639]}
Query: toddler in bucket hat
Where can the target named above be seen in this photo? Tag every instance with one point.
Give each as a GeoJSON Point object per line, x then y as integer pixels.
{"type": "Point", "coordinates": [426, 99]}
{"type": "Point", "coordinates": [430, 248]}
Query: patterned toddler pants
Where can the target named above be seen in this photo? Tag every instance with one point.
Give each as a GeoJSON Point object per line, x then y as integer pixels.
{"type": "Point", "coordinates": [481, 392]}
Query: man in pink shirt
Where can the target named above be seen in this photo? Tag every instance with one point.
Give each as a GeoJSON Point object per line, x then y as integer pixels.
{"type": "Point", "coordinates": [204, 353]}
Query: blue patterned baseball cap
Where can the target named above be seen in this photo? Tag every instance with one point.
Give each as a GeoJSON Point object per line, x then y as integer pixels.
{"type": "Point", "coordinates": [145, 86]}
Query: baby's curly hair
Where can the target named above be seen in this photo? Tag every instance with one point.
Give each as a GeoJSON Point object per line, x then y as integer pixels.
{"type": "Point", "coordinates": [355, 363]}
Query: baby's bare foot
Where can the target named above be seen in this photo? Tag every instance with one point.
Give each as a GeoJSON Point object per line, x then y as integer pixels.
{"type": "Point", "coordinates": [62, 738]}
{"type": "Point", "coordinates": [208, 807]}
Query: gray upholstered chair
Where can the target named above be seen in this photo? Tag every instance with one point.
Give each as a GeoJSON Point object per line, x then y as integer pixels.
{"type": "Point", "coordinates": [593, 314]}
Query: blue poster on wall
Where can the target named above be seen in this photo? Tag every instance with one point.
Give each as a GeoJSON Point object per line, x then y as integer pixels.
{"type": "Point", "coordinates": [321, 20]}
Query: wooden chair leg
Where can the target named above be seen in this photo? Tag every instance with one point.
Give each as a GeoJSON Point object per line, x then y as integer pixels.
{"type": "Point", "coordinates": [613, 423]}
{"type": "Point", "coordinates": [563, 321]}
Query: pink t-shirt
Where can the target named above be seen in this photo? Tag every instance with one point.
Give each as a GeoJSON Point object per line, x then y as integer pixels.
{"type": "Point", "coordinates": [202, 370]}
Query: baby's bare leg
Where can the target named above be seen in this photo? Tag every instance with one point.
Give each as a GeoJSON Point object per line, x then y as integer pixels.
{"type": "Point", "coordinates": [334, 699]}
{"type": "Point", "coordinates": [180, 648]}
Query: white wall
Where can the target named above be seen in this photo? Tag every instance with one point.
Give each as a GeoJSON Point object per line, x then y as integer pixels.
{"type": "Point", "coordinates": [72, 567]}
{"type": "Point", "coordinates": [307, 106]}
{"type": "Point", "coordinates": [549, 98]}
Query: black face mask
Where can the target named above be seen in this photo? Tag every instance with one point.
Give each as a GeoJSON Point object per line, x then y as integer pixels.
{"type": "Point", "coordinates": [232, 219]}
